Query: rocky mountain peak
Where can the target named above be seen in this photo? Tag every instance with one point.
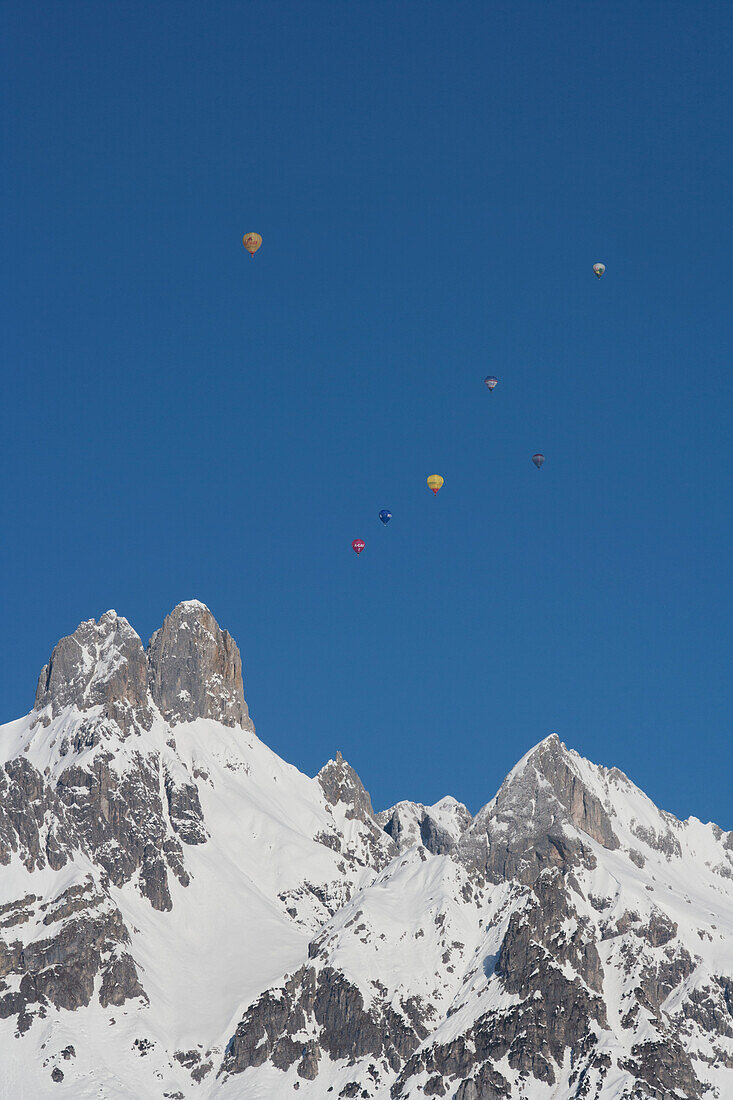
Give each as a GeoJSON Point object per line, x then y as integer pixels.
{"type": "Point", "coordinates": [195, 669]}
{"type": "Point", "coordinates": [437, 827]}
{"type": "Point", "coordinates": [101, 663]}
{"type": "Point", "coordinates": [540, 816]}
{"type": "Point", "coordinates": [340, 783]}
{"type": "Point", "coordinates": [551, 779]}
{"type": "Point", "coordinates": [192, 669]}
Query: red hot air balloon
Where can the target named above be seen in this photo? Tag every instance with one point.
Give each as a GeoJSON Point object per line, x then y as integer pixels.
{"type": "Point", "coordinates": [357, 546]}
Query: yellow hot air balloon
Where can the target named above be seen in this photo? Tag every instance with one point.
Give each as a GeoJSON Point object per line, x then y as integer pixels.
{"type": "Point", "coordinates": [251, 242]}
{"type": "Point", "coordinates": [435, 481]}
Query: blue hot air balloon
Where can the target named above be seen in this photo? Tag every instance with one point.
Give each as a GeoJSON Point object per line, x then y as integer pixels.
{"type": "Point", "coordinates": [385, 515]}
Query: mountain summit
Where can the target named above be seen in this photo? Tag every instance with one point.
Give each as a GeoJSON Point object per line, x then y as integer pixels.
{"type": "Point", "coordinates": [183, 914]}
{"type": "Point", "coordinates": [194, 669]}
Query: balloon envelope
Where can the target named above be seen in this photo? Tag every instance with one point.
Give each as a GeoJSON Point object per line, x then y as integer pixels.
{"type": "Point", "coordinates": [251, 242]}
{"type": "Point", "coordinates": [599, 269]}
{"type": "Point", "coordinates": [491, 382]}
{"type": "Point", "coordinates": [435, 482]}
{"type": "Point", "coordinates": [385, 515]}
{"type": "Point", "coordinates": [538, 460]}
{"type": "Point", "coordinates": [357, 546]}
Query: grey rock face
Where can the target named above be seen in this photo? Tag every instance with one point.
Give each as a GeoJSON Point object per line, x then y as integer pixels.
{"type": "Point", "coordinates": [403, 827]}
{"type": "Point", "coordinates": [436, 839]}
{"type": "Point", "coordinates": [33, 819]}
{"type": "Point", "coordinates": [195, 670]}
{"type": "Point", "coordinates": [321, 1000]}
{"type": "Point", "coordinates": [115, 814]}
{"type": "Point", "coordinates": [120, 820]}
{"type": "Point", "coordinates": [192, 669]}
{"type": "Point", "coordinates": [663, 1068]}
{"type": "Point", "coordinates": [410, 823]}
{"type": "Point", "coordinates": [86, 938]}
{"type": "Point", "coordinates": [662, 842]}
{"type": "Point", "coordinates": [340, 783]}
{"type": "Point", "coordinates": [553, 1010]}
{"type": "Point", "coordinates": [523, 830]}
{"type": "Point", "coordinates": [184, 810]}
{"type": "Point", "coordinates": [101, 664]}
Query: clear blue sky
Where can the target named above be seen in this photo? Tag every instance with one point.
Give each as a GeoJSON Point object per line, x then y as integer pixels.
{"type": "Point", "coordinates": [433, 182]}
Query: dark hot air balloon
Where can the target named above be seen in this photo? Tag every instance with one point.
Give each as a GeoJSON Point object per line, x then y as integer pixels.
{"type": "Point", "coordinates": [385, 515]}
{"type": "Point", "coordinates": [538, 460]}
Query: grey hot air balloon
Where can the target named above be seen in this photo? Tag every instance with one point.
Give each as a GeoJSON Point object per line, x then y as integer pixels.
{"type": "Point", "coordinates": [538, 460]}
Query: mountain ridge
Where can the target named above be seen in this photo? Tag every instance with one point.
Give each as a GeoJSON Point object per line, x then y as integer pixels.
{"type": "Point", "coordinates": [195, 917]}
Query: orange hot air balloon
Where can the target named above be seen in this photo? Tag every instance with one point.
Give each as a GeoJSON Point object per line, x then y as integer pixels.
{"type": "Point", "coordinates": [435, 482]}
{"type": "Point", "coordinates": [251, 242]}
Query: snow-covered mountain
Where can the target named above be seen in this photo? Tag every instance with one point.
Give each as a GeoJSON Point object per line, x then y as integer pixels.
{"type": "Point", "coordinates": [183, 914]}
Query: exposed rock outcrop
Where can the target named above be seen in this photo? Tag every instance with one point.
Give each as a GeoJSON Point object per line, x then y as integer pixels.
{"type": "Point", "coordinates": [439, 828]}
{"type": "Point", "coordinates": [102, 664]}
{"type": "Point", "coordinates": [340, 783]}
{"type": "Point", "coordinates": [195, 670]}
{"type": "Point", "coordinates": [86, 939]}
{"type": "Point", "coordinates": [525, 828]}
{"type": "Point", "coordinates": [325, 1002]}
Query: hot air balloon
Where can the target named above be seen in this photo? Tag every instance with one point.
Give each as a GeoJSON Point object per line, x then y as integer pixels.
{"type": "Point", "coordinates": [598, 269]}
{"type": "Point", "coordinates": [491, 382]}
{"type": "Point", "coordinates": [357, 546]}
{"type": "Point", "coordinates": [385, 515]}
{"type": "Point", "coordinates": [251, 242]}
{"type": "Point", "coordinates": [538, 460]}
{"type": "Point", "coordinates": [435, 482]}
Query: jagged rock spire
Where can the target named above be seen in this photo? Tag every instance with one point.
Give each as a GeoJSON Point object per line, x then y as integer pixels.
{"type": "Point", "coordinates": [195, 670]}
{"type": "Point", "coordinates": [192, 669]}
{"type": "Point", "coordinates": [101, 664]}
{"type": "Point", "coordinates": [340, 783]}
